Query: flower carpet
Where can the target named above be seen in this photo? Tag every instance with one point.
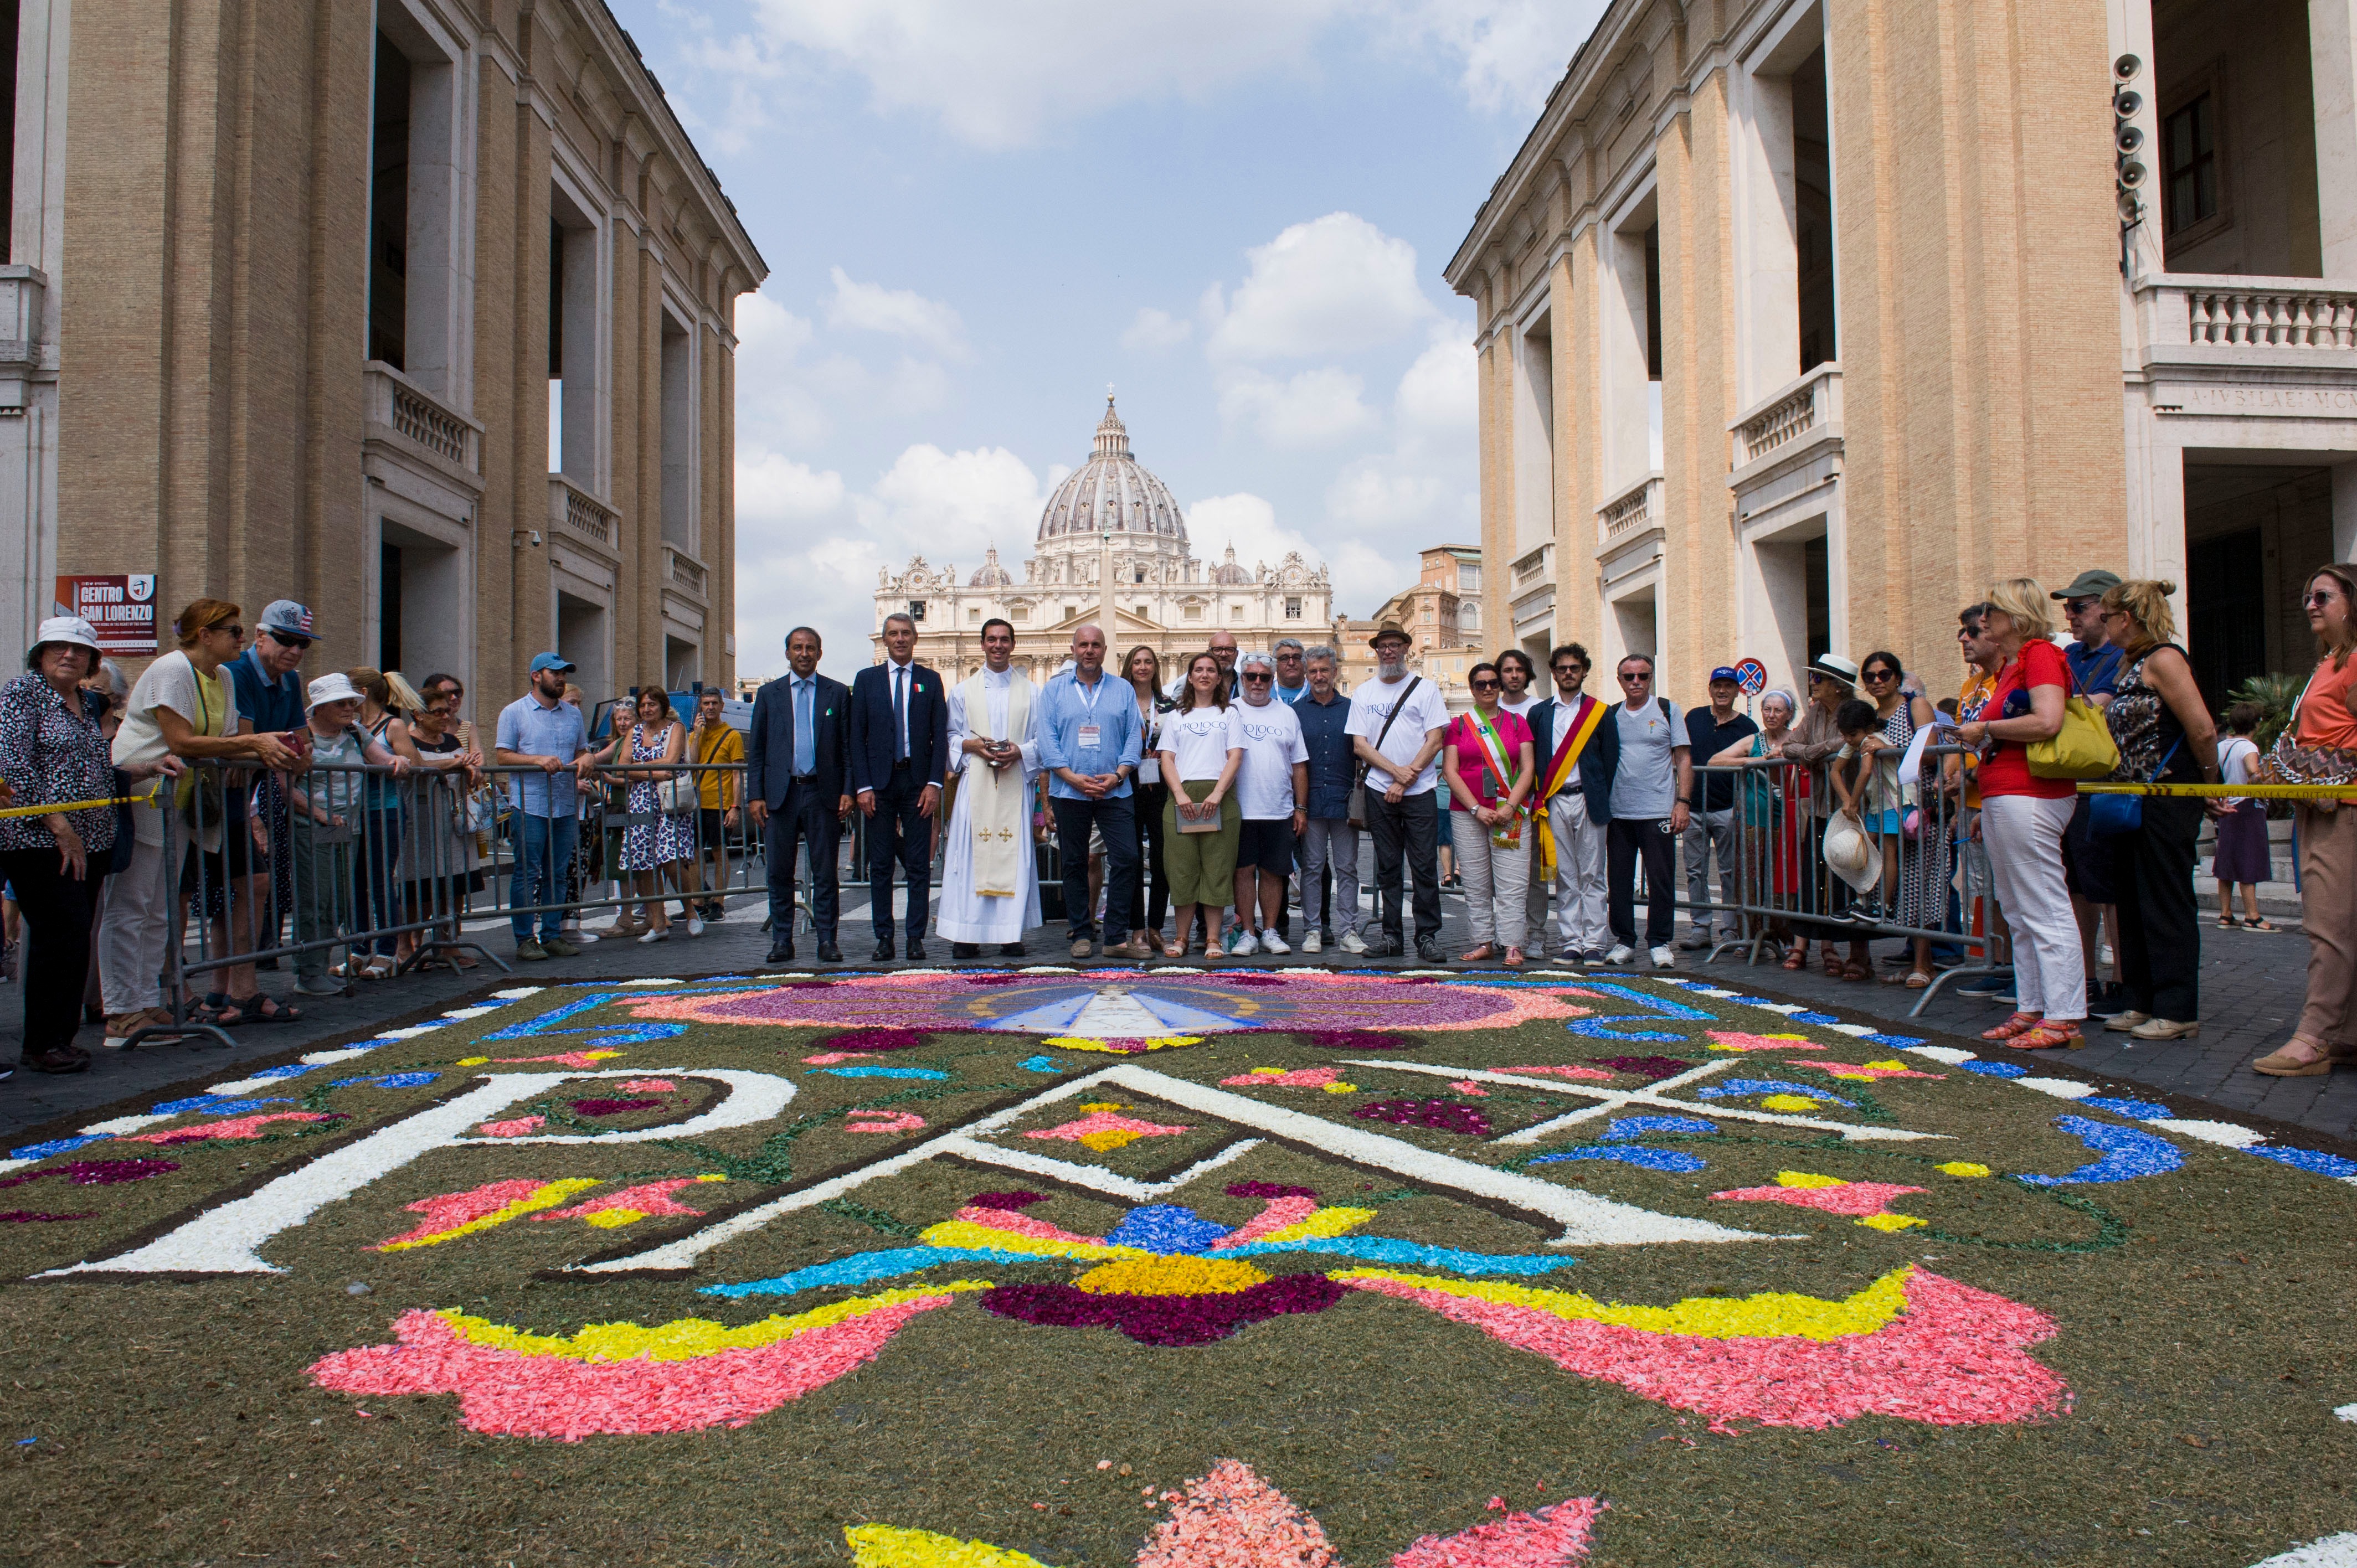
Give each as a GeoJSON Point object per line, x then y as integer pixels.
{"type": "Point", "coordinates": [1256, 1269]}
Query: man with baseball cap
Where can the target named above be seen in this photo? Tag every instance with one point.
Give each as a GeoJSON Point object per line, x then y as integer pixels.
{"type": "Point", "coordinates": [2086, 859]}
{"type": "Point", "coordinates": [541, 729]}
{"type": "Point", "coordinates": [1710, 812]}
{"type": "Point", "coordinates": [261, 862]}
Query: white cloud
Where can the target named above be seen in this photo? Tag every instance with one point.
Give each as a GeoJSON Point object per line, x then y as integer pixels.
{"type": "Point", "coordinates": [1511, 53]}
{"type": "Point", "coordinates": [1363, 574]}
{"type": "Point", "coordinates": [1314, 408]}
{"type": "Point", "coordinates": [1336, 285]}
{"type": "Point", "coordinates": [1439, 397]}
{"type": "Point", "coordinates": [1157, 329]}
{"type": "Point", "coordinates": [772, 488]}
{"type": "Point", "coordinates": [902, 313]}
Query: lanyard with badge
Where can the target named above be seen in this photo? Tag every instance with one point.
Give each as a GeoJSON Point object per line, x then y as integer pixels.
{"type": "Point", "coordinates": [1091, 733]}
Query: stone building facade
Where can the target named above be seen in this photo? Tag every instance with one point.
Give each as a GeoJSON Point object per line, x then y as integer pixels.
{"type": "Point", "coordinates": [1802, 321]}
{"type": "Point", "coordinates": [1112, 549]}
{"type": "Point", "coordinates": [419, 311]}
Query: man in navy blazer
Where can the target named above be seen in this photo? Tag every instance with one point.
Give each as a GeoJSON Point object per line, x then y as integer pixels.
{"type": "Point", "coordinates": [795, 783]}
{"type": "Point", "coordinates": [900, 750]}
{"type": "Point", "coordinates": [1581, 811]}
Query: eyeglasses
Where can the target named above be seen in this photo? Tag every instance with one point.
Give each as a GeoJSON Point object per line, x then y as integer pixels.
{"type": "Point", "coordinates": [234, 630]}
{"type": "Point", "coordinates": [1482, 685]}
{"type": "Point", "coordinates": [1635, 677]}
{"type": "Point", "coordinates": [1571, 669]}
{"type": "Point", "coordinates": [1878, 675]}
{"type": "Point", "coordinates": [1257, 675]}
{"type": "Point", "coordinates": [2075, 606]}
{"type": "Point", "coordinates": [297, 643]}
{"type": "Point", "coordinates": [2319, 597]}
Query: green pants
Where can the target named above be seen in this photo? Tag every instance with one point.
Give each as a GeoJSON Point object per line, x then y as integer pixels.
{"type": "Point", "coordinates": [1202, 867]}
{"type": "Point", "coordinates": [323, 894]}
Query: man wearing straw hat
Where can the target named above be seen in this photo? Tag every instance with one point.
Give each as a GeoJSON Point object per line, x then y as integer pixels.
{"type": "Point", "coordinates": [1398, 721]}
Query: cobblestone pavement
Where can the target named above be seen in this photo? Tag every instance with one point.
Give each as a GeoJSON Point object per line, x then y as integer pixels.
{"type": "Point", "coordinates": [2251, 985]}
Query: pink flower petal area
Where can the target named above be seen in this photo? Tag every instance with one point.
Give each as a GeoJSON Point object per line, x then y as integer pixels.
{"type": "Point", "coordinates": [1870, 1072]}
{"type": "Point", "coordinates": [1729, 1040]}
{"type": "Point", "coordinates": [648, 1086]}
{"type": "Point", "coordinates": [1543, 1538]}
{"type": "Point", "coordinates": [1232, 1518]}
{"type": "Point", "coordinates": [584, 1060]}
{"type": "Point", "coordinates": [883, 1122]}
{"type": "Point", "coordinates": [232, 1127]}
{"type": "Point", "coordinates": [515, 1127]}
{"type": "Point", "coordinates": [619, 1378]}
{"type": "Point", "coordinates": [1276, 1214]}
{"type": "Point", "coordinates": [1864, 1201]}
{"type": "Point", "coordinates": [1582, 1074]}
{"type": "Point", "coordinates": [451, 1215]}
{"type": "Point", "coordinates": [1104, 1131]}
{"type": "Point", "coordinates": [1275, 1078]}
{"type": "Point", "coordinates": [1912, 1345]}
{"type": "Point", "coordinates": [632, 1203]}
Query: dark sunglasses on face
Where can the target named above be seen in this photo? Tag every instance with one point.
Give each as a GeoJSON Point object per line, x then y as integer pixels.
{"type": "Point", "coordinates": [1634, 677]}
{"type": "Point", "coordinates": [1256, 675]}
{"type": "Point", "coordinates": [297, 643]}
{"type": "Point", "coordinates": [1483, 685]}
{"type": "Point", "coordinates": [1571, 669]}
{"type": "Point", "coordinates": [2321, 597]}
{"type": "Point", "coordinates": [1882, 675]}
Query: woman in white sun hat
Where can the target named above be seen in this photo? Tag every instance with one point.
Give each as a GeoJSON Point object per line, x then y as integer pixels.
{"type": "Point", "coordinates": [50, 752]}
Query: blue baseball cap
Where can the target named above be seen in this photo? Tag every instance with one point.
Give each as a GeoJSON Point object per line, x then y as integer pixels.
{"type": "Point", "coordinates": [1724, 672]}
{"type": "Point", "coordinates": [541, 661]}
{"type": "Point", "coordinates": [286, 616]}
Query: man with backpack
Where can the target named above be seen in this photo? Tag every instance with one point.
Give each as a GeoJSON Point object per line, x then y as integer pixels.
{"type": "Point", "coordinates": [1397, 721]}
{"type": "Point", "coordinates": [1650, 789]}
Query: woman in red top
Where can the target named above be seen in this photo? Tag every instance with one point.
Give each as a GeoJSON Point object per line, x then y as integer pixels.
{"type": "Point", "coordinates": [2325, 720]}
{"type": "Point", "coordinates": [2023, 817]}
{"type": "Point", "coordinates": [1488, 764]}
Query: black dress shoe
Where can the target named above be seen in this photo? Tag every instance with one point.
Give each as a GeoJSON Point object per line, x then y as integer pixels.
{"type": "Point", "coordinates": [964, 951]}
{"type": "Point", "coordinates": [1012, 950]}
{"type": "Point", "coordinates": [829, 953]}
{"type": "Point", "coordinates": [780, 953]}
{"type": "Point", "coordinates": [884, 951]}
{"type": "Point", "coordinates": [916, 950]}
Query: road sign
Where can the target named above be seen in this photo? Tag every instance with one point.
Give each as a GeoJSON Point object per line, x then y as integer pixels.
{"type": "Point", "coordinates": [1752, 676]}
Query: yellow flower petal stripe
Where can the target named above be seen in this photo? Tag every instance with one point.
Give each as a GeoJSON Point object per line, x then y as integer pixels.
{"type": "Point", "coordinates": [1892, 1221]}
{"type": "Point", "coordinates": [1125, 1048]}
{"type": "Point", "coordinates": [887, 1546]}
{"type": "Point", "coordinates": [1324, 1223]}
{"type": "Point", "coordinates": [1964, 1168]}
{"type": "Point", "coordinates": [1774, 1314]}
{"type": "Point", "coordinates": [685, 1338]}
{"type": "Point", "coordinates": [982, 1239]}
{"type": "Point", "coordinates": [547, 1197]}
{"type": "Point", "coordinates": [1807, 1178]}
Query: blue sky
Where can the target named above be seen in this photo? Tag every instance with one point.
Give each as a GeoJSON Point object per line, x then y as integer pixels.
{"type": "Point", "coordinates": [978, 213]}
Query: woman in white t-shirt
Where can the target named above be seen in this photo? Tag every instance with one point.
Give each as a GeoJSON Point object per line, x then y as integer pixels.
{"type": "Point", "coordinates": [2243, 858]}
{"type": "Point", "coordinates": [1200, 750]}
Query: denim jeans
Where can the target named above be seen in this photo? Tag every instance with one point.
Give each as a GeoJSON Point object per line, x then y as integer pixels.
{"type": "Point", "coordinates": [543, 850]}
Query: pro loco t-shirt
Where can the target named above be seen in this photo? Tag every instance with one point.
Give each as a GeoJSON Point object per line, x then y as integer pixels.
{"type": "Point", "coordinates": [1272, 744]}
{"type": "Point", "coordinates": [1200, 739]}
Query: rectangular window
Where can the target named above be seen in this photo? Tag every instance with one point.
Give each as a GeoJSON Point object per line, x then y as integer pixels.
{"type": "Point", "coordinates": [1193, 612]}
{"type": "Point", "coordinates": [1468, 577]}
{"type": "Point", "coordinates": [2189, 141]}
{"type": "Point", "coordinates": [1020, 612]}
{"type": "Point", "coordinates": [1072, 610]}
{"type": "Point", "coordinates": [974, 617]}
{"type": "Point", "coordinates": [1292, 609]}
{"type": "Point", "coordinates": [388, 208]}
{"type": "Point", "coordinates": [1235, 612]}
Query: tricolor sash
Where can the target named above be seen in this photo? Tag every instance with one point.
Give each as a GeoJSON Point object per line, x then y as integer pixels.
{"type": "Point", "coordinates": [1508, 833]}
{"type": "Point", "coordinates": [1559, 773]}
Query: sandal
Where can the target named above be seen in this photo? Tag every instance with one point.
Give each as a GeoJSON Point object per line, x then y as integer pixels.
{"type": "Point", "coordinates": [376, 969]}
{"type": "Point", "coordinates": [1913, 980]}
{"type": "Point", "coordinates": [2061, 1033]}
{"type": "Point", "coordinates": [2019, 1024]}
{"type": "Point", "coordinates": [1833, 962]}
{"type": "Point", "coordinates": [1854, 969]}
{"type": "Point", "coordinates": [2260, 923]}
{"type": "Point", "coordinates": [1798, 959]}
{"type": "Point", "coordinates": [1481, 954]}
{"type": "Point", "coordinates": [239, 1011]}
{"type": "Point", "coordinates": [2228, 922]}
{"type": "Point", "coordinates": [2281, 1063]}
{"type": "Point", "coordinates": [1513, 958]}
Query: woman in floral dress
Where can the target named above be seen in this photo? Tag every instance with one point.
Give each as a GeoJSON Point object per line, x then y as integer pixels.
{"type": "Point", "coordinates": [657, 840]}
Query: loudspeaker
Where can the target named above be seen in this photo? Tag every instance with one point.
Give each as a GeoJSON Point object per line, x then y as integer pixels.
{"type": "Point", "coordinates": [2126, 68]}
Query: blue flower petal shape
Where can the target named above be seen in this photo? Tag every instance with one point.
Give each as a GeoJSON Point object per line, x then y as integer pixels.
{"type": "Point", "coordinates": [2127, 1153]}
{"type": "Point", "coordinates": [1628, 1128]}
{"type": "Point", "coordinates": [389, 1081]}
{"type": "Point", "coordinates": [1164, 1228]}
{"type": "Point", "coordinates": [862, 1267]}
{"type": "Point", "coordinates": [2313, 1160]}
{"type": "Point", "coordinates": [1042, 1063]}
{"type": "Point", "coordinates": [872, 1072]}
{"type": "Point", "coordinates": [57, 1146]}
{"type": "Point", "coordinates": [1391, 1250]}
{"type": "Point", "coordinates": [1995, 1069]}
{"type": "Point", "coordinates": [1629, 1154]}
{"type": "Point", "coordinates": [2141, 1110]}
{"type": "Point", "coordinates": [1734, 1087]}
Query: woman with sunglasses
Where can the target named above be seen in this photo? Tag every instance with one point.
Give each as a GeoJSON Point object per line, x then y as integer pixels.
{"type": "Point", "coordinates": [1914, 867]}
{"type": "Point", "coordinates": [1493, 851]}
{"type": "Point", "coordinates": [2320, 744]}
{"type": "Point", "coordinates": [1815, 741]}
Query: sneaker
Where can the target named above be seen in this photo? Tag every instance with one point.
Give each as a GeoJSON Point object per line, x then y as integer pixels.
{"type": "Point", "coordinates": [1313, 942]}
{"type": "Point", "coordinates": [2129, 1022]}
{"type": "Point", "coordinates": [1384, 947]}
{"type": "Point", "coordinates": [528, 950]}
{"type": "Point", "coordinates": [1427, 950]}
{"type": "Point", "coordinates": [695, 925]}
{"type": "Point", "coordinates": [1353, 943]}
{"type": "Point", "coordinates": [1695, 943]}
{"type": "Point", "coordinates": [1271, 942]}
{"type": "Point", "coordinates": [1984, 985]}
{"type": "Point", "coordinates": [1570, 958]}
{"type": "Point", "coordinates": [558, 947]}
{"type": "Point", "coordinates": [1620, 954]}
{"type": "Point", "coordinates": [1243, 944]}
{"type": "Point", "coordinates": [1665, 958]}
{"type": "Point", "coordinates": [327, 985]}
{"type": "Point", "coordinates": [2165, 1029]}
{"type": "Point", "coordinates": [578, 937]}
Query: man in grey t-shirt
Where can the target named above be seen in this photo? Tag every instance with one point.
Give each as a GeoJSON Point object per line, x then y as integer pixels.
{"type": "Point", "coordinates": [1648, 812]}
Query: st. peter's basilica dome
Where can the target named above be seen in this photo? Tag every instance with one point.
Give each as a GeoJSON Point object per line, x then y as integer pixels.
{"type": "Point", "coordinates": [1111, 492]}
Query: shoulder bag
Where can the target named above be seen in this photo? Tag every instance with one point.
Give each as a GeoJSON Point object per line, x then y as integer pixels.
{"type": "Point", "coordinates": [677, 793]}
{"type": "Point", "coordinates": [1356, 809]}
{"type": "Point", "coordinates": [2110, 815]}
{"type": "Point", "coordinates": [2082, 748]}
{"type": "Point", "coordinates": [2287, 762]}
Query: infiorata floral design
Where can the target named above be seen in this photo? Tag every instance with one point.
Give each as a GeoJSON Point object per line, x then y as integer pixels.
{"type": "Point", "coordinates": [1574, 1072]}
{"type": "Point", "coordinates": [513, 1127]}
{"type": "Point", "coordinates": [1912, 1345]}
{"type": "Point", "coordinates": [1441, 1115]}
{"type": "Point", "coordinates": [451, 1215]}
{"type": "Point", "coordinates": [1778, 1093]}
{"type": "Point", "coordinates": [584, 1060]}
{"type": "Point", "coordinates": [1729, 1040]}
{"type": "Point", "coordinates": [855, 1042]}
{"type": "Point", "coordinates": [234, 1128]}
{"type": "Point", "coordinates": [1867, 1202]}
{"type": "Point", "coordinates": [612, 1107]}
{"type": "Point", "coordinates": [1105, 1132]}
{"type": "Point", "coordinates": [2127, 1153]}
{"type": "Point", "coordinates": [1121, 1045]}
{"type": "Point", "coordinates": [1231, 1518]}
{"type": "Point", "coordinates": [1870, 1072]}
{"type": "Point", "coordinates": [883, 1122]}
{"type": "Point", "coordinates": [648, 1086]}
{"type": "Point", "coordinates": [619, 1377]}
{"type": "Point", "coordinates": [1329, 1079]}
{"type": "Point", "coordinates": [1628, 1155]}
{"type": "Point", "coordinates": [1655, 1068]}
{"type": "Point", "coordinates": [647, 1200]}
{"type": "Point", "coordinates": [97, 1173]}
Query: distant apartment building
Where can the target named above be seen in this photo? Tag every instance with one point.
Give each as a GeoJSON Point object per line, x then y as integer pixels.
{"type": "Point", "coordinates": [1442, 612]}
{"type": "Point", "coordinates": [417, 311]}
{"type": "Point", "coordinates": [1802, 321]}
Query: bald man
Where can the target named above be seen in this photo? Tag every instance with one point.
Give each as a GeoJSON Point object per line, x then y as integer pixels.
{"type": "Point", "coordinates": [1090, 741]}
{"type": "Point", "coordinates": [1222, 646]}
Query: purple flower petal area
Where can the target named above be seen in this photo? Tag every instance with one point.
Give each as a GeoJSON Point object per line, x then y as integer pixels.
{"type": "Point", "coordinates": [1655, 1068]}
{"type": "Point", "coordinates": [1441, 1115]}
{"type": "Point", "coordinates": [1018, 1198]}
{"type": "Point", "coordinates": [1268, 1189]}
{"type": "Point", "coordinates": [26, 1217]}
{"type": "Point", "coordinates": [1173, 1321]}
{"type": "Point", "coordinates": [997, 978]}
{"type": "Point", "coordinates": [1252, 982]}
{"type": "Point", "coordinates": [98, 1173]}
{"type": "Point", "coordinates": [612, 1107]}
{"type": "Point", "coordinates": [874, 1041]}
{"type": "Point", "coordinates": [1356, 1040]}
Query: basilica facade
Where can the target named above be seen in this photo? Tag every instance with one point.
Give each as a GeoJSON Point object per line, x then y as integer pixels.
{"type": "Point", "coordinates": [1111, 549]}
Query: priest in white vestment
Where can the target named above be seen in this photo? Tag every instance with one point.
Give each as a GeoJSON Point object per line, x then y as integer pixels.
{"type": "Point", "coordinates": [990, 877]}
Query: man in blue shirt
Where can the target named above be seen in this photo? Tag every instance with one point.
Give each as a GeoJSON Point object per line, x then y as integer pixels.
{"type": "Point", "coordinates": [1329, 840]}
{"type": "Point", "coordinates": [270, 699]}
{"type": "Point", "coordinates": [1292, 684]}
{"type": "Point", "coordinates": [1090, 740]}
{"type": "Point", "coordinates": [541, 729]}
{"type": "Point", "coordinates": [2086, 859]}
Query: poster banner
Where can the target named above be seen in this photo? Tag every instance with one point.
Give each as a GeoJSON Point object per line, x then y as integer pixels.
{"type": "Point", "coordinates": [122, 608]}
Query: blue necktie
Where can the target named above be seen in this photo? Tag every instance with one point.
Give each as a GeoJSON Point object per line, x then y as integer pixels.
{"type": "Point", "coordinates": [900, 711]}
{"type": "Point", "coordinates": [805, 732]}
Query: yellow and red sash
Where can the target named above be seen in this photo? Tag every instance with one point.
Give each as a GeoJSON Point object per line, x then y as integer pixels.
{"type": "Point", "coordinates": [1559, 772]}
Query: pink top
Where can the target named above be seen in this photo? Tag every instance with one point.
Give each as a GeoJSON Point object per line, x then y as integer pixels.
{"type": "Point", "coordinates": [1473, 756]}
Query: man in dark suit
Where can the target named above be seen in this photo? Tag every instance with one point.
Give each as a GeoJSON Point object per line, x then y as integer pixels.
{"type": "Point", "coordinates": [900, 750]}
{"type": "Point", "coordinates": [1579, 808]}
{"type": "Point", "coordinates": [794, 780]}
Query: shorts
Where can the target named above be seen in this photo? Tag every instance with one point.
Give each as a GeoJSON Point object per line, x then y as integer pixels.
{"type": "Point", "coordinates": [2086, 859]}
{"type": "Point", "coordinates": [1266, 845]}
{"type": "Point", "coordinates": [708, 831]}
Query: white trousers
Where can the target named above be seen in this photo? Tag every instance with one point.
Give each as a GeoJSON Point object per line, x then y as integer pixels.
{"type": "Point", "coordinates": [132, 932]}
{"type": "Point", "coordinates": [1496, 882]}
{"type": "Point", "coordinates": [1580, 911]}
{"type": "Point", "coordinates": [2023, 835]}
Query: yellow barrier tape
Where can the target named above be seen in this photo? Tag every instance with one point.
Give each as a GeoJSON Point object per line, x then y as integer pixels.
{"type": "Point", "coordinates": [78, 805]}
{"type": "Point", "coordinates": [2239, 791]}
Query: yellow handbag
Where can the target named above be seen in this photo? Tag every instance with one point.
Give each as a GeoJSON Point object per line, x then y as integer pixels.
{"type": "Point", "coordinates": [2083, 748]}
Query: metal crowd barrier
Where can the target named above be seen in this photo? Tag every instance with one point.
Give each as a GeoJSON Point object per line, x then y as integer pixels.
{"type": "Point", "coordinates": [283, 867]}
{"type": "Point", "coordinates": [1935, 882]}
